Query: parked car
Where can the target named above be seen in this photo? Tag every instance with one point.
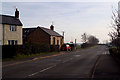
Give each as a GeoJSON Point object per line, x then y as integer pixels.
{"type": "Point", "coordinates": [65, 47]}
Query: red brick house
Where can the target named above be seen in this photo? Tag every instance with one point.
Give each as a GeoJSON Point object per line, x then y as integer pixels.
{"type": "Point", "coordinates": [42, 35]}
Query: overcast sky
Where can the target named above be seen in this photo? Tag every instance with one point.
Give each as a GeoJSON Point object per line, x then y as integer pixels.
{"type": "Point", "coordinates": [74, 18]}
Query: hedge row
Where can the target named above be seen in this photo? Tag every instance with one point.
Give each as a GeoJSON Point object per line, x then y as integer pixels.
{"type": "Point", "coordinates": [9, 51]}
{"type": "Point", "coordinates": [115, 52]}
{"type": "Point", "coordinates": [85, 45]}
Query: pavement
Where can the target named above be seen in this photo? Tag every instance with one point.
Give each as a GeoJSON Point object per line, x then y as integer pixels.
{"type": "Point", "coordinates": [91, 63]}
{"type": "Point", "coordinates": [107, 67]}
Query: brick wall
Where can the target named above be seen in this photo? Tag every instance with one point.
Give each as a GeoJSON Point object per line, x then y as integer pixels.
{"type": "Point", "coordinates": [38, 36]}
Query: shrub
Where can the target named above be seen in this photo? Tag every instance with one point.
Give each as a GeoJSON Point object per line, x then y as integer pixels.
{"type": "Point", "coordinates": [9, 51]}
{"type": "Point", "coordinates": [38, 48]}
{"type": "Point", "coordinates": [54, 48]}
{"type": "Point", "coordinates": [115, 52]}
{"type": "Point", "coordinates": [85, 45]}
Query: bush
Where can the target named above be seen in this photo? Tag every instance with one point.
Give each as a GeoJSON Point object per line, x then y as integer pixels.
{"type": "Point", "coordinates": [85, 45]}
{"type": "Point", "coordinates": [54, 48]}
{"type": "Point", "coordinates": [114, 52]}
{"type": "Point", "coordinates": [9, 51]}
{"type": "Point", "coordinates": [26, 49]}
{"type": "Point", "coordinates": [38, 48]}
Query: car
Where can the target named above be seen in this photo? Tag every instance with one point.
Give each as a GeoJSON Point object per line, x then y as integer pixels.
{"type": "Point", "coordinates": [65, 47]}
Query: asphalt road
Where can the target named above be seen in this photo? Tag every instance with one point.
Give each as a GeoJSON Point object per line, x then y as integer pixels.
{"type": "Point", "coordinates": [78, 64]}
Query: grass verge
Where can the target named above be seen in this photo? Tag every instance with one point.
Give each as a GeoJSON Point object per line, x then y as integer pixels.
{"type": "Point", "coordinates": [21, 56]}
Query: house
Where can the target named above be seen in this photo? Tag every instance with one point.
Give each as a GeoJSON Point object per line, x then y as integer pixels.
{"type": "Point", "coordinates": [41, 35]}
{"type": "Point", "coordinates": [10, 29]}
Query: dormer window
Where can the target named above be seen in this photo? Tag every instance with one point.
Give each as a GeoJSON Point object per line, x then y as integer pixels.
{"type": "Point", "coordinates": [12, 28]}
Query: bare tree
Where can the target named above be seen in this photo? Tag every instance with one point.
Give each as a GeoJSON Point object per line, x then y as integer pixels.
{"type": "Point", "coordinates": [115, 26]}
{"type": "Point", "coordinates": [92, 40]}
{"type": "Point", "coordinates": [84, 37]}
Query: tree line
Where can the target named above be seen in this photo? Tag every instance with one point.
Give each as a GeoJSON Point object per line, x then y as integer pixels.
{"type": "Point", "coordinates": [115, 26]}
{"type": "Point", "coordinates": [89, 40]}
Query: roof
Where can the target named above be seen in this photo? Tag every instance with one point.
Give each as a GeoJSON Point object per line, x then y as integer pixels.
{"type": "Point", "coordinates": [27, 31]}
{"type": "Point", "coordinates": [51, 32]}
{"type": "Point", "coordinates": [11, 20]}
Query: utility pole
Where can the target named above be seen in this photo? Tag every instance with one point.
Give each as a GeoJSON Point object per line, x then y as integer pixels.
{"type": "Point", "coordinates": [63, 35]}
{"type": "Point", "coordinates": [75, 41]}
{"type": "Point", "coordinates": [75, 44]}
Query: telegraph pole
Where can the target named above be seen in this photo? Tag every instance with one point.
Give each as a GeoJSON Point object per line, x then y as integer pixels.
{"type": "Point", "coordinates": [63, 35]}
{"type": "Point", "coordinates": [75, 44]}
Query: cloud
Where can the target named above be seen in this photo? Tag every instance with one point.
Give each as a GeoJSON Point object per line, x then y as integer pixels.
{"type": "Point", "coordinates": [72, 17]}
{"type": "Point", "coordinates": [60, 0]}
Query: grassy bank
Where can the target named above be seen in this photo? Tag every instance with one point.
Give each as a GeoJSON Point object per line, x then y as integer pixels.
{"type": "Point", "coordinates": [21, 56]}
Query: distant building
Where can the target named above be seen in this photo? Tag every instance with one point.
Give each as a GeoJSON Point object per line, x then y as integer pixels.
{"type": "Point", "coordinates": [10, 29]}
{"type": "Point", "coordinates": [42, 35]}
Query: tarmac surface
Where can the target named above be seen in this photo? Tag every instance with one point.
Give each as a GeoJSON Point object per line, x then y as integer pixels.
{"type": "Point", "coordinates": [91, 63]}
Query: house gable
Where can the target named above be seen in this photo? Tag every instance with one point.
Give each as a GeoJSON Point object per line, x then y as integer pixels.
{"type": "Point", "coordinates": [10, 20]}
{"type": "Point", "coordinates": [37, 36]}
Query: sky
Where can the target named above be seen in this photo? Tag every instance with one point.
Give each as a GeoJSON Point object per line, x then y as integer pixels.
{"type": "Point", "coordinates": [74, 18]}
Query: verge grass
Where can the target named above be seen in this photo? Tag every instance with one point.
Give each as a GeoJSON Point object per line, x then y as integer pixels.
{"type": "Point", "coordinates": [21, 56]}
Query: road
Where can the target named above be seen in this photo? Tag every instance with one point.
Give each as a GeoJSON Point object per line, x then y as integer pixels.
{"type": "Point", "coordinates": [78, 64]}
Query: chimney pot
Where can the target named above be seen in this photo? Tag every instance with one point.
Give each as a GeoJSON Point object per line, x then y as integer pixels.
{"type": "Point", "coordinates": [52, 27]}
{"type": "Point", "coordinates": [17, 14]}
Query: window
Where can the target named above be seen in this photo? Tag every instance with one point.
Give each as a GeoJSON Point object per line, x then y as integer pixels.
{"type": "Point", "coordinates": [53, 40]}
{"type": "Point", "coordinates": [15, 42]}
{"type": "Point", "coordinates": [57, 42]}
{"type": "Point", "coordinates": [12, 28]}
{"type": "Point", "coordinates": [12, 42]}
{"type": "Point", "coordinates": [9, 42]}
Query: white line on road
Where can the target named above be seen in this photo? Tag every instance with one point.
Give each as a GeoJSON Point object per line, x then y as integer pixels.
{"type": "Point", "coordinates": [67, 60]}
{"type": "Point", "coordinates": [46, 68]}
{"type": "Point", "coordinates": [41, 71]}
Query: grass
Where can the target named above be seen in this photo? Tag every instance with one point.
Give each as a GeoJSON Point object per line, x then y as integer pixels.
{"type": "Point", "coordinates": [78, 46]}
{"type": "Point", "coordinates": [21, 56]}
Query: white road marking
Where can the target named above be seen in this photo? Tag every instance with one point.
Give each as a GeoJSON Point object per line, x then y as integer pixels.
{"type": "Point", "coordinates": [71, 58]}
{"type": "Point", "coordinates": [21, 62]}
{"type": "Point", "coordinates": [67, 60]}
{"type": "Point", "coordinates": [77, 55]}
{"type": "Point", "coordinates": [105, 52]}
{"type": "Point", "coordinates": [41, 71]}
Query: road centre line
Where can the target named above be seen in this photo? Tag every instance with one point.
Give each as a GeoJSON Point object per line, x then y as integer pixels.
{"type": "Point", "coordinates": [41, 71]}
{"type": "Point", "coordinates": [31, 60]}
{"type": "Point", "coordinates": [47, 68]}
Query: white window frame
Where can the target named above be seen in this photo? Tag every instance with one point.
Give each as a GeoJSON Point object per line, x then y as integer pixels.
{"type": "Point", "coordinates": [12, 28]}
{"type": "Point", "coordinates": [15, 42]}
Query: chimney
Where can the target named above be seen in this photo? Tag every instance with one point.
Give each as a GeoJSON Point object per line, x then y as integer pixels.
{"type": "Point", "coordinates": [17, 14]}
{"type": "Point", "coordinates": [52, 27]}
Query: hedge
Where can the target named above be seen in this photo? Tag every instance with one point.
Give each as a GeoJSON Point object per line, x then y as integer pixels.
{"type": "Point", "coordinates": [8, 51]}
